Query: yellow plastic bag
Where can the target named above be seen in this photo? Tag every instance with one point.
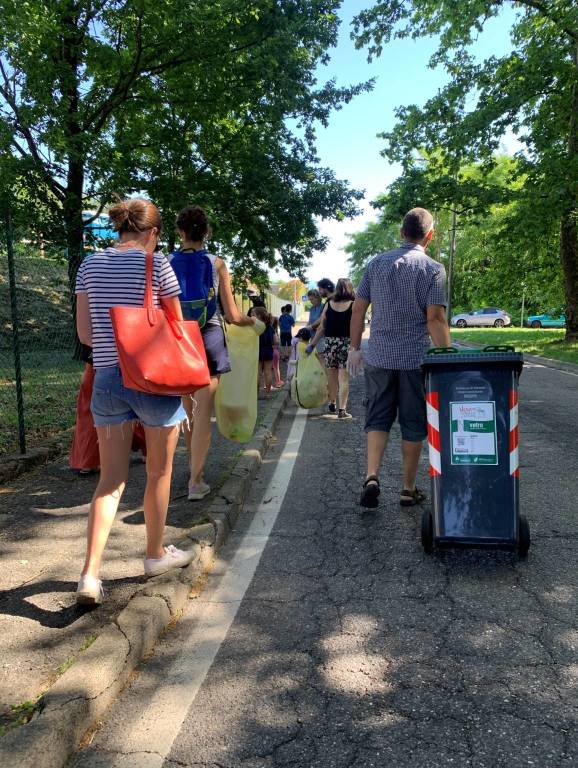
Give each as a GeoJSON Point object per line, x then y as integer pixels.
{"type": "Point", "coordinates": [309, 385]}
{"type": "Point", "coordinates": [236, 398]}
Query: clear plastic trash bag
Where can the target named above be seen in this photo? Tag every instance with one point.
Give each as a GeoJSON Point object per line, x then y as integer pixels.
{"type": "Point", "coordinates": [236, 398]}
{"type": "Point", "coordinates": [309, 384]}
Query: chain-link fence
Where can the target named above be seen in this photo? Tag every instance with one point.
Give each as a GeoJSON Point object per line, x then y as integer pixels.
{"type": "Point", "coordinates": [39, 295]}
{"type": "Point", "coordinates": [39, 377]}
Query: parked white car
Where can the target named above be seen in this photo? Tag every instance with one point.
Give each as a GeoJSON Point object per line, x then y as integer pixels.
{"type": "Point", "coordinates": [487, 316]}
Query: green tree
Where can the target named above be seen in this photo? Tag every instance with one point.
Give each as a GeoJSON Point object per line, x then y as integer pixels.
{"type": "Point", "coordinates": [378, 236]}
{"type": "Point", "coordinates": [499, 249]}
{"type": "Point", "coordinates": [533, 89]}
{"type": "Point", "coordinates": [180, 99]}
{"type": "Point", "coordinates": [292, 290]}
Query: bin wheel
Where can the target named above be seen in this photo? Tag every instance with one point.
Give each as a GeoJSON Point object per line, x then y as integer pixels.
{"type": "Point", "coordinates": [523, 536]}
{"type": "Point", "coordinates": [427, 541]}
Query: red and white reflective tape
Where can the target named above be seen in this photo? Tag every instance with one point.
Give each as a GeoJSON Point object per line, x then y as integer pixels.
{"type": "Point", "coordinates": [433, 433]}
{"type": "Point", "coordinates": [514, 460]}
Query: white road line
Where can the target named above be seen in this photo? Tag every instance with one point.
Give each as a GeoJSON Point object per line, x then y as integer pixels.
{"type": "Point", "coordinates": [549, 368]}
{"type": "Point", "coordinates": [145, 737]}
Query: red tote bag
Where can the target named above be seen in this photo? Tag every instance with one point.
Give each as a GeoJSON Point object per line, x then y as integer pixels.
{"type": "Point", "coordinates": [158, 354]}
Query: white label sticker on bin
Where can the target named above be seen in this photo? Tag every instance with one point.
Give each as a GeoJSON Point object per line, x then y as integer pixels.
{"type": "Point", "coordinates": [473, 433]}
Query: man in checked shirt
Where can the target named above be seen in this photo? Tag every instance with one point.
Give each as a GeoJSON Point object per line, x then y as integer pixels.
{"type": "Point", "coordinates": [407, 293]}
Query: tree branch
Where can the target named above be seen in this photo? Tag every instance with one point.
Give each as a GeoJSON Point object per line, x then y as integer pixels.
{"type": "Point", "coordinates": [120, 91]}
{"type": "Point", "coordinates": [26, 133]}
{"type": "Point", "coordinates": [547, 13]}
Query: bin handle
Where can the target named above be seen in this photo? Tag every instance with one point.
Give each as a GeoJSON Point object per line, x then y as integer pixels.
{"type": "Point", "coordinates": [499, 348]}
{"type": "Point", "coordinates": [441, 350]}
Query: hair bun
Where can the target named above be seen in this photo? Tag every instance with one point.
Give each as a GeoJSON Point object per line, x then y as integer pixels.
{"type": "Point", "coordinates": [134, 215]}
{"type": "Point", "coordinates": [119, 214]}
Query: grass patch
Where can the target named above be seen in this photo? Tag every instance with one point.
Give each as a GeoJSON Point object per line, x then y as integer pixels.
{"type": "Point", "coordinates": [50, 382]}
{"type": "Point", "coordinates": [50, 377]}
{"type": "Point", "coordinates": [546, 342]}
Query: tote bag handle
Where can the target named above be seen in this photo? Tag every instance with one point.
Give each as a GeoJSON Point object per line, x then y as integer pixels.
{"type": "Point", "coordinates": [148, 303]}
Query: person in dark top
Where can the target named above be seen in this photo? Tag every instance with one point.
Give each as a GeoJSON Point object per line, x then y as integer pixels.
{"type": "Point", "coordinates": [335, 326]}
{"type": "Point", "coordinates": [267, 342]}
{"type": "Point", "coordinates": [286, 323]}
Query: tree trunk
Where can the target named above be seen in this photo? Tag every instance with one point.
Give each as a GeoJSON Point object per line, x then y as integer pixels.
{"type": "Point", "coordinates": [569, 219]}
{"type": "Point", "coordinates": [569, 256]}
{"type": "Point", "coordinates": [72, 214]}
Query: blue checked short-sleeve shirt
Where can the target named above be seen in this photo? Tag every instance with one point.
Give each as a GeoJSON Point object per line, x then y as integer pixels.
{"type": "Point", "coordinates": [400, 285]}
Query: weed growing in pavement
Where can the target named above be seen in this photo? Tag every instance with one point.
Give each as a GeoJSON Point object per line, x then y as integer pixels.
{"type": "Point", "coordinates": [19, 714]}
{"type": "Point", "coordinates": [71, 659]}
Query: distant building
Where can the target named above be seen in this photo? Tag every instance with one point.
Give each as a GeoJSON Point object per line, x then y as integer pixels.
{"type": "Point", "coordinates": [98, 230]}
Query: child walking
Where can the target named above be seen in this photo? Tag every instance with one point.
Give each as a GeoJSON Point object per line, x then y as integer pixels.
{"type": "Point", "coordinates": [278, 381]}
{"type": "Point", "coordinates": [267, 342]}
{"type": "Point", "coordinates": [286, 323]}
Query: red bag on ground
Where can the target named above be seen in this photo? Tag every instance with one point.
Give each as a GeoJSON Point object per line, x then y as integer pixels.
{"type": "Point", "coordinates": [84, 449]}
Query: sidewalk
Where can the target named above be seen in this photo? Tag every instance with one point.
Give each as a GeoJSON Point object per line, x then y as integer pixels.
{"type": "Point", "coordinates": [42, 541]}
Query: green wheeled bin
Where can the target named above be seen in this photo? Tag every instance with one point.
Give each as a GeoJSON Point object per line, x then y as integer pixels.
{"type": "Point", "coordinates": [472, 411]}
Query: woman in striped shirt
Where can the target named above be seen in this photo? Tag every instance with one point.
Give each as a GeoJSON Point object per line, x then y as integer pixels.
{"type": "Point", "coordinates": [116, 277]}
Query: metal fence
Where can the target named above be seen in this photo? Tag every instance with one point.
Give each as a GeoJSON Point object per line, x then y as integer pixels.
{"type": "Point", "coordinates": [39, 377]}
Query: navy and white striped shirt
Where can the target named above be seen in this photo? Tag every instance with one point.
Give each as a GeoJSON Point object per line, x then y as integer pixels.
{"type": "Point", "coordinates": [400, 285]}
{"type": "Point", "coordinates": [113, 278]}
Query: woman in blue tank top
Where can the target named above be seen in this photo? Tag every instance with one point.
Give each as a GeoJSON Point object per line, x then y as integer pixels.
{"type": "Point", "coordinates": [193, 227]}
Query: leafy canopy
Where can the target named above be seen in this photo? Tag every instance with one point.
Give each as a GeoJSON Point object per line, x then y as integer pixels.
{"type": "Point", "coordinates": [533, 90]}
{"type": "Point", "coordinates": [205, 101]}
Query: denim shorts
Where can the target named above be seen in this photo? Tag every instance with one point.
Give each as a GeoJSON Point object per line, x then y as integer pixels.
{"type": "Point", "coordinates": [113, 403]}
{"type": "Point", "coordinates": [391, 393]}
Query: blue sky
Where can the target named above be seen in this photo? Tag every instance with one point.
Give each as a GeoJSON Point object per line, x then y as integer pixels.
{"type": "Point", "coordinates": [349, 145]}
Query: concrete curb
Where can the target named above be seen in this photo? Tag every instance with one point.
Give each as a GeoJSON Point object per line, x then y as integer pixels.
{"type": "Point", "coordinates": [81, 696]}
{"type": "Point", "coordinates": [15, 464]}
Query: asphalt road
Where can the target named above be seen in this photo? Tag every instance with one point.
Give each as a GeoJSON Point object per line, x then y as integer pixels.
{"type": "Point", "coordinates": [352, 648]}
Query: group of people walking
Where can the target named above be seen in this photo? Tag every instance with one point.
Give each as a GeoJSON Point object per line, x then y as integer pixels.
{"type": "Point", "coordinates": [116, 277]}
{"type": "Point", "coordinates": [405, 288]}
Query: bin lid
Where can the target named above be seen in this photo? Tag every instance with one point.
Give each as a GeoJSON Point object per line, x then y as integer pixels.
{"type": "Point", "coordinates": [494, 355]}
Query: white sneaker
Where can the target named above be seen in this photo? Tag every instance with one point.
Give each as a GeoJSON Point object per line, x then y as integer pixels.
{"type": "Point", "coordinates": [89, 591]}
{"type": "Point", "coordinates": [173, 558]}
{"type": "Point", "coordinates": [198, 491]}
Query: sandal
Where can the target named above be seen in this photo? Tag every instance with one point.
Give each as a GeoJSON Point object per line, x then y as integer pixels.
{"type": "Point", "coordinates": [411, 498]}
{"type": "Point", "coordinates": [370, 493]}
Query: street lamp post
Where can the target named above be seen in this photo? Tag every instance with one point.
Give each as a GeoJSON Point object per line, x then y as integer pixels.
{"type": "Point", "coordinates": [451, 261]}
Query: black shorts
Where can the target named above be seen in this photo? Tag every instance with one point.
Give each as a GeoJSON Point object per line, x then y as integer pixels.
{"type": "Point", "coordinates": [216, 349]}
{"type": "Point", "coordinates": [391, 393]}
{"type": "Point", "coordinates": [285, 338]}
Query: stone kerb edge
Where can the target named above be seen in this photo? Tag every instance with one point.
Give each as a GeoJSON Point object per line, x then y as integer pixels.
{"type": "Point", "coordinates": [83, 694]}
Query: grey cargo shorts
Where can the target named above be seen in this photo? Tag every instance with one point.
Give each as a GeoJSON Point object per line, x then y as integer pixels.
{"type": "Point", "coordinates": [390, 393]}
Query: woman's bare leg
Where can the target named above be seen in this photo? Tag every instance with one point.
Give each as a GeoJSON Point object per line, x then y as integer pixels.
{"type": "Point", "coordinates": [267, 373]}
{"type": "Point", "coordinates": [201, 429]}
{"type": "Point", "coordinates": [343, 379]}
{"type": "Point", "coordinates": [161, 444]}
{"type": "Point", "coordinates": [277, 372]}
{"type": "Point", "coordinates": [114, 443]}
{"type": "Point", "coordinates": [333, 382]}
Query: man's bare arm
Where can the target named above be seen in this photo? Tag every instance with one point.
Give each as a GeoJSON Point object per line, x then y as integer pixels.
{"type": "Point", "coordinates": [437, 326]}
{"type": "Point", "coordinates": [360, 307]}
